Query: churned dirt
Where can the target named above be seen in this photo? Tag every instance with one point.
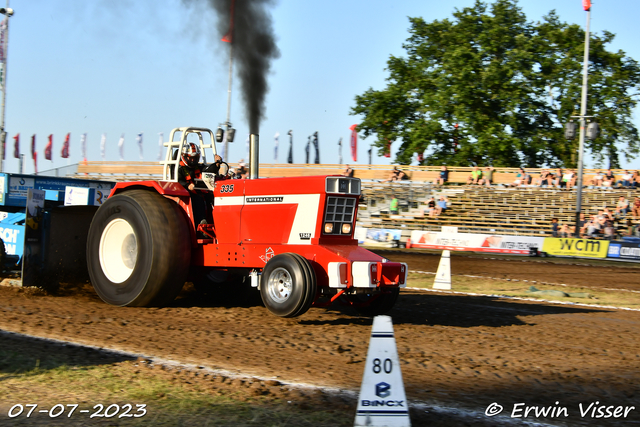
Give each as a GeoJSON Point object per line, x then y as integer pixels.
{"type": "Point", "coordinates": [457, 351]}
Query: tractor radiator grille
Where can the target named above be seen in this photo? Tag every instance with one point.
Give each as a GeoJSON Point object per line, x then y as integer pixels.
{"type": "Point", "coordinates": [340, 209]}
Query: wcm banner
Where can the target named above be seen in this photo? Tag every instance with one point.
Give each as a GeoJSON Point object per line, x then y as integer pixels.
{"type": "Point", "coordinates": [624, 250]}
{"type": "Point", "coordinates": [588, 248]}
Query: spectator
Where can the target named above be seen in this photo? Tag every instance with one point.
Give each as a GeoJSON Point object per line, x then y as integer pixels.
{"type": "Point", "coordinates": [626, 181]}
{"type": "Point", "coordinates": [593, 227]}
{"type": "Point", "coordinates": [635, 209]}
{"type": "Point", "coordinates": [348, 172]}
{"type": "Point", "coordinates": [475, 177]}
{"type": "Point", "coordinates": [242, 170]}
{"type": "Point", "coordinates": [569, 180]}
{"type": "Point", "coordinates": [582, 220]}
{"type": "Point", "coordinates": [596, 181]}
{"type": "Point", "coordinates": [488, 177]}
{"type": "Point", "coordinates": [556, 179]}
{"type": "Point", "coordinates": [609, 179]}
{"type": "Point", "coordinates": [564, 231]}
{"type": "Point", "coordinates": [636, 179]}
{"type": "Point", "coordinates": [393, 206]}
{"type": "Point", "coordinates": [632, 229]}
{"type": "Point", "coordinates": [441, 205]}
{"type": "Point", "coordinates": [622, 207]}
{"type": "Point", "coordinates": [520, 177]}
{"type": "Point", "coordinates": [609, 231]}
{"type": "Point", "coordinates": [554, 227]}
{"type": "Point", "coordinates": [396, 175]}
{"type": "Point", "coordinates": [544, 180]}
{"type": "Point", "coordinates": [443, 177]}
{"type": "Point", "coordinates": [430, 207]}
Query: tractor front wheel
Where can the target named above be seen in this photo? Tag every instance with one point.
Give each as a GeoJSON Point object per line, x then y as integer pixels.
{"type": "Point", "coordinates": [288, 285]}
{"type": "Point", "coordinates": [138, 249]}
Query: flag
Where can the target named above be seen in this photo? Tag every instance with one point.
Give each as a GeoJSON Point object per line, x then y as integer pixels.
{"type": "Point", "coordinates": [290, 159]}
{"type": "Point", "coordinates": [121, 146]}
{"type": "Point", "coordinates": [34, 153]}
{"type": "Point", "coordinates": [48, 148]}
{"type": "Point", "coordinates": [340, 151]}
{"type": "Point", "coordinates": [307, 150]}
{"type": "Point", "coordinates": [83, 146]}
{"type": "Point", "coordinates": [387, 152]}
{"type": "Point", "coordinates": [275, 150]}
{"type": "Point", "coordinates": [316, 145]}
{"type": "Point", "coordinates": [3, 32]}
{"type": "Point", "coordinates": [586, 4]}
{"type": "Point", "coordinates": [229, 36]}
{"type": "Point", "coordinates": [103, 143]}
{"type": "Point", "coordinates": [160, 144]}
{"type": "Point", "coordinates": [16, 149]}
{"type": "Point", "coordinates": [354, 142]}
{"type": "Point", "coordinates": [65, 147]}
{"type": "Point", "coordinates": [3, 56]}
{"type": "Point", "coordinates": [370, 150]}
{"type": "Point", "coordinates": [139, 141]}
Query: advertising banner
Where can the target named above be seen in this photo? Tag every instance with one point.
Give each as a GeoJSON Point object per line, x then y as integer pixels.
{"type": "Point", "coordinates": [624, 250]}
{"type": "Point", "coordinates": [379, 237]}
{"type": "Point", "coordinates": [588, 248]}
{"type": "Point", "coordinates": [475, 242]}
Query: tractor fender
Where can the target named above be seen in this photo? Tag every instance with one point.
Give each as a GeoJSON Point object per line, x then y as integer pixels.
{"type": "Point", "coordinates": [164, 188]}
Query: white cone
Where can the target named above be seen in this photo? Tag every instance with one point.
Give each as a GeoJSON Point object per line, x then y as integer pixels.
{"type": "Point", "coordinates": [443, 276]}
{"type": "Point", "coordinates": [382, 401]}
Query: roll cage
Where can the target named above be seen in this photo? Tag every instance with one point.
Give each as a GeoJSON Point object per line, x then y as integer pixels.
{"type": "Point", "coordinates": [172, 154]}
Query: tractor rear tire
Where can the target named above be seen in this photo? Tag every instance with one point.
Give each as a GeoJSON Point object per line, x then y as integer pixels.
{"type": "Point", "coordinates": [288, 285]}
{"type": "Point", "coordinates": [380, 303]}
{"type": "Point", "coordinates": [138, 250]}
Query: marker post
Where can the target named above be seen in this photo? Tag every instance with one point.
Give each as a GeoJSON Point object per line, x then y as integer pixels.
{"type": "Point", "coordinates": [382, 401]}
{"type": "Point", "coordinates": [443, 276]}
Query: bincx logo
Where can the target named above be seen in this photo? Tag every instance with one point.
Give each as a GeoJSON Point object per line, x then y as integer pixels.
{"type": "Point", "coordinates": [383, 390]}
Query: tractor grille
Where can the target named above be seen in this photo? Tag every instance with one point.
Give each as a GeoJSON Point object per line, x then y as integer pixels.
{"type": "Point", "coordinates": [340, 209]}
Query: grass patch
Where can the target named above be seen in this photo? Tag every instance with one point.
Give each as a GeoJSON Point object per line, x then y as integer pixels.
{"type": "Point", "coordinates": [172, 397]}
{"type": "Point", "coordinates": [519, 288]}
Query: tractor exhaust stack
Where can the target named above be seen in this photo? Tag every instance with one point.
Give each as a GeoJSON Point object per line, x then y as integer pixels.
{"type": "Point", "coordinates": [253, 155]}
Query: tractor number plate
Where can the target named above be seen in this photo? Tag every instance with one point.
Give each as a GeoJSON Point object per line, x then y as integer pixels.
{"type": "Point", "coordinates": [226, 188]}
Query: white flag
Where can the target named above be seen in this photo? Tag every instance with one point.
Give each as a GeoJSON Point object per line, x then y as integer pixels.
{"type": "Point", "coordinates": [248, 149]}
{"type": "Point", "coordinates": [121, 146]}
{"type": "Point", "coordinates": [83, 146]}
{"type": "Point", "coordinates": [160, 144]}
{"type": "Point", "coordinates": [276, 147]}
{"type": "Point", "coordinates": [103, 143]}
{"type": "Point", "coordinates": [139, 141]}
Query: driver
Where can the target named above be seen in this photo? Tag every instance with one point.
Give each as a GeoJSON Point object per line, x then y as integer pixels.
{"type": "Point", "coordinates": [191, 169]}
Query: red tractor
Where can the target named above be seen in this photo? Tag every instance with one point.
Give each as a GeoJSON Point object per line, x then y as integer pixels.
{"type": "Point", "coordinates": [291, 238]}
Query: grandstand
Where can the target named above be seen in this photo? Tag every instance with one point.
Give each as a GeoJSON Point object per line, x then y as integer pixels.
{"type": "Point", "coordinates": [500, 209]}
{"type": "Point", "coordinates": [524, 211]}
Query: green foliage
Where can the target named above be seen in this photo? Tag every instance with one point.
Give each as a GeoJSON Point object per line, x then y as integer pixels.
{"type": "Point", "coordinates": [509, 84]}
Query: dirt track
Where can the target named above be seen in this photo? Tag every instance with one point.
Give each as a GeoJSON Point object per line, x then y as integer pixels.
{"type": "Point", "coordinates": [459, 351]}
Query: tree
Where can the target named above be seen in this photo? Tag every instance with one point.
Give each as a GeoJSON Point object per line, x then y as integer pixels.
{"type": "Point", "coordinates": [491, 87]}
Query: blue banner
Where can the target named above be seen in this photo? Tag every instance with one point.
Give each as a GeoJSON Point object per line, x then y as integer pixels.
{"type": "Point", "coordinates": [624, 250]}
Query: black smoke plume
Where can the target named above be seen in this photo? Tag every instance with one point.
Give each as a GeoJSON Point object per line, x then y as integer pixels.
{"type": "Point", "coordinates": [254, 47]}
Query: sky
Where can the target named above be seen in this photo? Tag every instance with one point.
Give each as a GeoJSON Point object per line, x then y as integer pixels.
{"type": "Point", "coordinates": [148, 66]}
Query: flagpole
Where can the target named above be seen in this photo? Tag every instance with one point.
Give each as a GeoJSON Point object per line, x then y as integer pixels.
{"type": "Point", "coordinates": [229, 38]}
{"type": "Point", "coordinates": [583, 112]}
{"type": "Point", "coordinates": [3, 135]}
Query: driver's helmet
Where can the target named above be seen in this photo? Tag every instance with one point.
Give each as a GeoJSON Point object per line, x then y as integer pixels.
{"type": "Point", "coordinates": [190, 154]}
